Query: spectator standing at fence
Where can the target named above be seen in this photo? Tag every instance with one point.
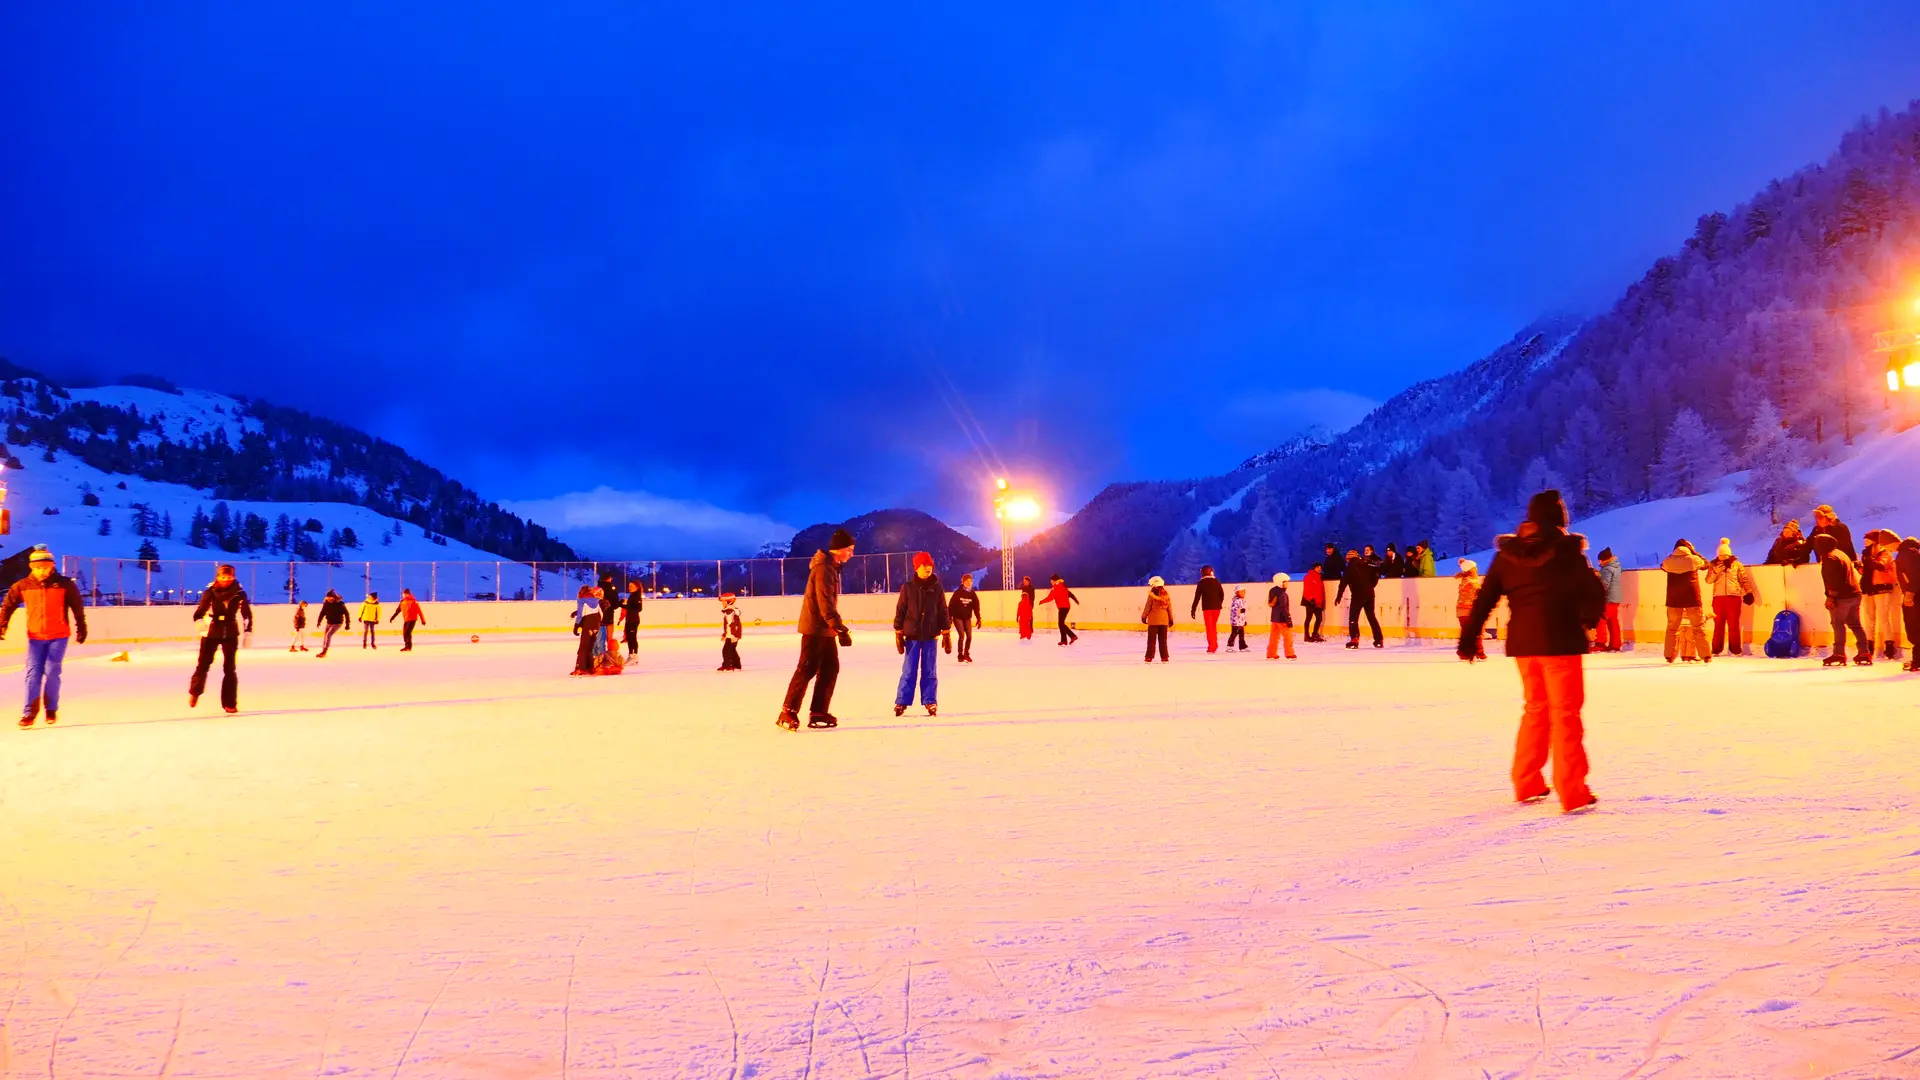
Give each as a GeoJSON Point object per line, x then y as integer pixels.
{"type": "Point", "coordinates": [1553, 596]}
{"type": "Point", "coordinates": [1732, 590]}
{"type": "Point", "coordinates": [370, 621]}
{"type": "Point", "coordinates": [1828, 523]}
{"type": "Point", "coordinates": [1158, 615]}
{"type": "Point", "coordinates": [1062, 599]}
{"type": "Point", "coordinates": [1790, 548]}
{"type": "Point", "coordinates": [55, 616]}
{"type": "Point", "coordinates": [1023, 614]}
{"type": "Point", "coordinates": [1280, 617]}
{"type": "Point", "coordinates": [1686, 630]}
{"type": "Point", "coordinates": [1333, 564]}
{"type": "Point", "coordinates": [731, 630]}
{"type": "Point", "coordinates": [631, 612]}
{"type": "Point", "coordinates": [222, 616]}
{"type": "Point", "coordinates": [1466, 589]}
{"type": "Point", "coordinates": [1237, 619]}
{"type": "Point", "coordinates": [963, 611]}
{"type": "Point", "coordinates": [1840, 578]}
{"type": "Point", "coordinates": [1313, 597]}
{"type": "Point", "coordinates": [1391, 565]}
{"type": "Point", "coordinates": [1906, 567]}
{"type": "Point", "coordinates": [1611, 578]}
{"type": "Point", "coordinates": [1880, 603]}
{"type": "Point", "coordinates": [1362, 578]}
{"type": "Point", "coordinates": [333, 618]}
{"type": "Point", "coordinates": [1209, 596]}
{"type": "Point", "coordinates": [1422, 565]}
{"type": "Point", "coordinates": [822, 634]}
{"type": "Point", "coordinates": [299, 643]}
{"type": "Point", "coordinates": [408, 612]}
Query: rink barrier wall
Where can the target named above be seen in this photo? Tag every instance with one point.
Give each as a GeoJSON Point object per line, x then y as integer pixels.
{"type": "Point", "coordinates": [1409, 609]}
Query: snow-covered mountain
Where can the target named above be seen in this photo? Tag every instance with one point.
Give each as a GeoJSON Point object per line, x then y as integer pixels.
{"type": "Point", "coordinates": [147, 470]}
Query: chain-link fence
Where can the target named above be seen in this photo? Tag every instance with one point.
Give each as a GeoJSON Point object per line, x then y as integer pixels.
{"type": "Point", "coordinates": [119, 582]}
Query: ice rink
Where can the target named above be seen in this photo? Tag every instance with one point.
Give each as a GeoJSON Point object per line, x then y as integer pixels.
{"type": "Point", "coordinates": [462, 863]}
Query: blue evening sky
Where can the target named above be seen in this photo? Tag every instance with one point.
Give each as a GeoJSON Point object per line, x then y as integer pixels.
{"type": "Point", "coordinates": [688, 274]}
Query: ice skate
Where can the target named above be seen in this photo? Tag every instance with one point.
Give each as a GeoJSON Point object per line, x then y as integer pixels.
{"type": "Point", "coordinates": [899, 710]}
{"type": "Point", "coordinates": [1536, 798]}
{"type": "Point", "coordinates": [822, 720]}
{"type": "Point", "coordinates": [1863, 660]}
{"type": "Point", "coordinates": [33, 713]}
{"type": "Point", "coordinates": [789, 720]}
{"type": "Point", "coordinates": [933, 710]}
{"type": "Point", "coordinates": [52, 718]}
{"type": "Point", "coordinates": [1354, 644]}
{"type": "Point", "coordinates": [193, 701]}
{"type": "Point", "coordinates": [231, 709]}
{"type": "Point", "coordinates": [1831, 661]}
{"type": "Point", "coordinates": [1592, 801]}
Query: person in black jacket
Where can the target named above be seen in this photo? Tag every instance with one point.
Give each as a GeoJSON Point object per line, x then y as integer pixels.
{"type": "Point", "coordinates": [1906, 568]}
{"type": "Point", "coordinates": [1789, 548]}
{"type": "Point", "coordinates": [333, 616]}
{"type": "Point", "coordinates": [1391, 566]}
{"type": "Point", "coordinates": [1828, 523]}
{"type": "Point", "coordinates": [631, 610]}
{"type": "Point", "coordinates": [963, 611]}
{"type": "Point", "coordinates": [1208, 598]}
{"type": "Point", "coordinates": [1361, 579]}
{"type": "Point", "coordinates": [1279, 619]}
{"type": "Point", "coordinates": [919, 618]}
{"type": "Point", "coordinates": [1553, 599]}
{"type": "Point", "coordinates": [1333, 565]}
{"type": "Point", "coordinates": [822, 634]}
{"type": "Point", "coordinates": [1840, 577]}
{"type": "Point", "coordinates": [222, 616]}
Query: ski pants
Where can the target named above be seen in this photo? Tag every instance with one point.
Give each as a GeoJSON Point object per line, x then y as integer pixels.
{"type": "Point", "coordinates": [224, 644]}
{"type": "Point", "coordinates": [44, 659]}
{"type": "Point", "coordinates": [406, 634]}
{"type": "Point", "coordinates": [1316, 620]}
{"type": "Point", "coordinates": [584, 650]}
{"type": "Point", "coordinates": [1066, 632]}
{"type": "Point", "coordinates": [1610, 639]}
{"type": "Point", "coordinates": [1880, 618]}
{"type": "Point", "coordinates": [1025, 617]}
{"type": "Point", "coordinates": [1277, 634]}
{"type": "Point", "coordinates": [820, 664]}
{"type": "Point", "coordinates": [1686, 633]}
{"type": "Point", "coordinates": [1212, 619]}
{"type": "Point", "coordinates": [921, 663]}
{"type": "Point", "coordinates": [1355, 607]}
{"type": "Point", "coordinates": [1911, 616]}
{"type": "Point", "coordinates": [1846, 616]}
{"type": "Point", "coordinates": [1237, 634]}
{"type": "Point", "coordinates": [1157, 638]}
{"type": "Point", "coordinates": [1480, 644]}
{"type": "Point", "coordinates": [1726, 624]}
{"type": "Point", "coordinates": [963, 640]}
{"type": "Point", "coordinates": [369, 634]}
{"type": "Point", "coordinates": [1555, 690]}
{"type": "Point", "coordinates": [729, 655]}
{"type": "Point", "coordinates": [633, 637]}
{"type": "Point", "coordinates": [327, 630]}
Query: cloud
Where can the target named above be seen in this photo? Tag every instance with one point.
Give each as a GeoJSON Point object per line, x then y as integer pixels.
{"type": "Point", "coordinates": [615, 524]}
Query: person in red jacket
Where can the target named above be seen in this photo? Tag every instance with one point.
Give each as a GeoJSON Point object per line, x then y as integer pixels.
{"type": "Point", "coordinates": [408, 612]}
{"type": "Point", "coordinates": [1063, 599]}
{"type": "Point", "coordinates": [1313, 597]}
{"type": "Point", "coordinates": [1024, 613]}
{"type": "Point", "coordinates": [54, 615]}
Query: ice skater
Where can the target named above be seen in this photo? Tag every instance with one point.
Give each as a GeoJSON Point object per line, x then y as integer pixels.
{"type": "Point", "coordinates": [631, 618]}
{"type": "Point", "coordinates": [1553, 599]}
{"type": "Point", "coordinates": [1158, 615]}
{"type": "Point", "coordinates": [1361, 579]}
{"type": "Point", "coordinates": [1237, 619]}
{"type": "Point", "coordinates": [1209, 596]}
{"type": "Point", "coordinates": [223, 617]}
{"type": "Point", "coordinates": [963, 611]}
{"type": "Point", "coordinates": [1466, 591]}
{"type": "Point", "coordinates": [409, 613]}
{"type": "Point", "coordinates": [919, 621]}
{"type": "Point", "coordinates": [1280, 618]}
{"type": "Point", "coordinates": [1024, 612]}
{"type": "Point", "coordinates": [730, 630]}
{"type": "Point", "coordinates": [822, 635]}
{"type": "Point", "coordinates": [1062, 599]}
{"type": "Point", "coordinates": [370, 621]}
{"type": "Point", "coordinates": [1313, 598]}
{"type": "Point", "coordinates": [333, 619]}
{"type": "Point", "coordinates": [299, 642]}
{"type": "Point", "coordinates": [55, 615]}
{"type": "Point", "coordinates": [586, 627]}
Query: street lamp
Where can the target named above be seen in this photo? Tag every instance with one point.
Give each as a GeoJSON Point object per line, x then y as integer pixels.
{"type": "Point", "coordinates": [1011, 506]}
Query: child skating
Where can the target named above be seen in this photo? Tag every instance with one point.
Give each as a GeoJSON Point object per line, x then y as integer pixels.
{"type": "Point", "coordinates": [1280, 619]}
{"type": "Point", "coordinates": [730, 629]}
{"type": "Point", "coordinates": [919, 618]}
{"type": "Point", "coordinates": [1237, 619]}
{"type": "Point", "coordinates": [370, 621]}
{"type": "Point", "coordinates": [1158, 615]}
{"type": "Point", "coordinates": [299, 642]}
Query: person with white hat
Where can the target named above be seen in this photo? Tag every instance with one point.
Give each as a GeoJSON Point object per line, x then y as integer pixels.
{"type": "Point", "coordinates": [55, 616]}
{"type": "Point", "coordinates": [1280, 620]}
{"type": "Point", "coordinates": [1158, 615]}
{"type": "Point", "coordinates": [1465, 593]}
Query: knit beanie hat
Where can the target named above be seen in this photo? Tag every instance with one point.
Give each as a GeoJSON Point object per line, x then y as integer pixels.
{"type": "Point", "coordinates": [1281, 579]}
{"type": "Point", "coordinates": [1469, 566]}
{"type": "Point", "coordinates": [920, 559]}
{"type": "Point", "coordinates": [841, 539]}
{"type": "Point", "coordinates": [1546, 509]}
{"type": "Point", "coordinates": [40, 555]}
{"type": "Point", "coordinates": [1155, 581]}
{"type": "Point", "coordinates": [1605, 554]}
{"type": "Point", "coordinates": [1825, 544]}
{"type": "Point", "coordinates": [1726, 549]}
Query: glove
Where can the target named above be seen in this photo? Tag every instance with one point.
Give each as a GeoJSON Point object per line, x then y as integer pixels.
{"type": "Point", "coordinates": [576, 629]}
{"type": "Point", "coordinates": [1747, 599]}
{"type": "Point", "coordinates": [946, 641]}
{"type": "Point", "coordinates": [899, 641]}
{"type": "Point", "coordinates": [79, 637]}
{"type": "Point", "coordinates": [845, 639]}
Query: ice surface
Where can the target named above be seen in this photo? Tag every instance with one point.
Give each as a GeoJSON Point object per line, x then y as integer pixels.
{"type": "Point", "coordinates": [461, 863]}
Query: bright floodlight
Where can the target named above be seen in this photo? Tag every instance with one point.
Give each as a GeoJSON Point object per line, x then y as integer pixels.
{"type": "Point", "coordinates": [1001, 483]}
{"type": "Point", "coordinates": [1911, 373]}
{"type": "Point", "coordinates": [1893, 379]}
{"type": "Point", "coordinates": [1021, 508]}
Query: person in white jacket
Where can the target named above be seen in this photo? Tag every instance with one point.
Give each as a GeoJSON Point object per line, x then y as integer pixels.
{"type": "Point", "coordinates": [1237, 619]}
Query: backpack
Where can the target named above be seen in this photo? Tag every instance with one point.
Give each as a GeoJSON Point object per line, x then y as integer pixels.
{"type": "Point", "coordinates": [1784, 644]}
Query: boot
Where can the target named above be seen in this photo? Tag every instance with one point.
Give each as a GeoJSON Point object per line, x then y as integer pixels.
{"type": "Point", "coordinates": [822, 720]}
{"type": "Point", "coordinates": [1865, 659]}
{"type": "Point", "coordinates": [52, 718]}
{"type": "Point", "coordinates": [1354, 644]}
{"type": "Point", "coordinates": [789, 720]}
{"type": "Point", "coordinates": [932, 709]}
{"type": "Point", "coordinates": [899, 710]}
{"type": "Point", "coordinates": [33, 713]}
{"type": "Point", "coordinates": [193, 700]}
{"type": "Point", "coordinates": [1836, 660]}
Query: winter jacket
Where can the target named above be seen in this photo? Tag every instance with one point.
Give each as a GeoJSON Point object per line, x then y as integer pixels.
{"type": "Point", "coordinates": [333, 612]}
{"type": "Point", "coordinates": [1730, 578]}
{"type": "Point", "coordinates": [370, 611]}
{"type": "Point", "coordinates": [1159, 609]}
{"type": "Point", "coordinates": [226, 610]}
{"type": "Point", "coordinates": [632, 607]}
{"type": "Point", "coordinates": [1465, 593]}
{"type": "Point", "coordinates": [730, 624]}
{"type": "Point", "coordinates": [921, 611]}
{"type": "Point", "coordinates": [1209, 595]}
{"type": "Point", "coordinates": [1332, 567]}
{"type": "Point", "coordinates": [1280, 606]}
{"type": "Point", "coordinates": [1839, 576]}
{"type": "Point", "coordinates": [1611, 578]}
{"type": "Point", "coordinates": [408, 610]}
{"type": "Point", "coordinates": [582, 608]}
{"type": "Point", "coordinates": [1313, 590]}
{"type": "Point", "coordinates": [1550, 590]}
{"type": "Point", "coordinates": [820, 607]}
{"type": "Point", "coordinates": [1362, 577]}
{"type": "Point", "coordinates": [53, 608]}
{"type": "Point", "coordinates": [1789, 551]}
{"type": "Point", "coordinates": [1906, 569]}
{"type": "Point", "coordinates": [1237, 612]}
{"type": "Point", "coordinates": [1841, 535]}
{"type": "Point", "coordinates": [1423, 567]}
{"type": "Point", "coordinates": [300, 618]}
{"type": "Point", "coordinates": [1392, 566]}
{"type": "Point", "coordinates": [1683, 579]}
{"type": "Point", "coordinates": [1876, 568]}
{"type": "Point", "coordinates": [963, 607]}
{"type": "Point", "coordinates": [1061, 597]}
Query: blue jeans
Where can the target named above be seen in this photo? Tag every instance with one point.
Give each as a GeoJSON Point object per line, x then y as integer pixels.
{"type": "Point", "coordinates": [919, 661]}
{"type": "Point", "coordinates": [43, 673]}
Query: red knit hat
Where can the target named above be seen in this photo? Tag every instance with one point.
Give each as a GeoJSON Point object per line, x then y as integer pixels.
{"type": "Point", "coordinates": [921, 558]}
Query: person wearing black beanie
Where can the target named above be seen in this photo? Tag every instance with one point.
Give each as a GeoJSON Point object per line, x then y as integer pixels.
{"type": "Point", "coordinates": [822, 633]}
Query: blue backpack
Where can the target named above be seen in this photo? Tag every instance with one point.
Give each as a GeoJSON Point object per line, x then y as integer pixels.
{"type": "Point", "coordinates": [1784, 644]}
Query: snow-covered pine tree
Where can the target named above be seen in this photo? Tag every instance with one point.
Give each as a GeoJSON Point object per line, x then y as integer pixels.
{"type": "Point", "coordinates": [1538, 476]}
{"type": "Point", "coordinates": [1691, 456]}
{"type": "Point", "coordinates": [1773, 458]}
{"type": "Point", "coordinates": [1464, 522]}
{"type": "Point", "coordinates": [148, 555]}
